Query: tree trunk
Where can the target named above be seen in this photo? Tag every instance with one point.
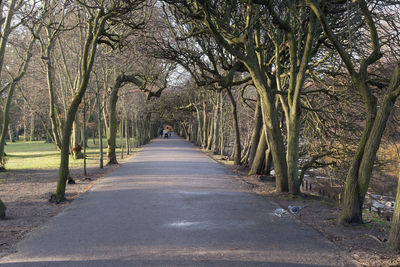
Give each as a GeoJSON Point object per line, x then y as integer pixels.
{"type": "Point", "coordinates": [259, 158]}
{"type": "Point", "coordinates": [268, 162]}
{"type": "Point", "coordinates": [6, 31]}
{"type": "Point", "coordinates": [6, 119]}
{"type": "Point", "coordinates": [2, 210]}
{"type": "Point", "coordinates": [52, 113]}
{"type": "Point", "coordinates": [271, 122]}
{"type": "Point", "coordinates": [87, 60]}
{"type": "Point", "coordinates": [11, 133]}
{"type": "Point", "coordinates": [199, 140]}
{"type": "Point", "coordinates": [84, 136]}
{"type": "Point", "coordinates": [77, 138]}
{"type": "Point", "coordinates": [106, 126]}
{"type": "Point", "coordinates": [147, 128]}
{"type": "Point", "coordinates": [210, 131]}
{"type": "Point", "coordinates": [221, 124]}
{"type": "Point", "coordinates": [32, 128]}
{"type": "Point", "coordinates": [21, 72]}
{"type": "Point", "coordinates": [127, 144]}
{"type": "Point", "coordinates": [394, 235]}
{"type": "Point", "coordinates": [121, 136]}
{"type": "Point", "coordinates": [25, 122]}
{"type": "Point", "coordinates": [292, 153]}
{"type": "Point", "coordinates": [255, 136]}
{"type": "Point", "coordinates": [358, 177]}
{"type": "Point", "coordinates": [138, 130]}
{"type": "Point", "coordinates": [100, 129]}
{"type": "Point", "coordinates": [237, 148]}
{"type": "Point", "coordinates": [112, 122]}
{"type": "Point", "coordinates": [215, 138]}
{"type": "Point", "coordinates": [205, 128]}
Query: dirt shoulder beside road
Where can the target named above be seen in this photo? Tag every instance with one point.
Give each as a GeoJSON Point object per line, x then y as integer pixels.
{"type": "Point", "coordinates": [364, 243]}
{"type": "Point", "coordinates": [26, 193]}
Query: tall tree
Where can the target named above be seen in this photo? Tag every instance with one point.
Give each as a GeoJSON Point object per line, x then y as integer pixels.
{"type": "Point", "coordinates": [359, 174]}
{"type": "Point", "coordinates": [100, 23]}
{"type": "Point", "coordinates": [8, 26]}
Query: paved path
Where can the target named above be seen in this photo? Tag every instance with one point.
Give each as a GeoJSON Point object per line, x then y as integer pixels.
{"type": "Point", "coordinates": [171, 205]}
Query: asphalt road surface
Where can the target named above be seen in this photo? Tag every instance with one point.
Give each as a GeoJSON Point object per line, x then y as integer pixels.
{"type": "Point", "coordinates": [171, 205]}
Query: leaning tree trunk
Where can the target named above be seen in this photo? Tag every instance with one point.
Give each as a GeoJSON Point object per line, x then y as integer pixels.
{"type": "Point", "coordinates": [52, 113]}
{"type": "Point", "coordinates": [394, 235]}
{"type": "Point", "coordinates": [255, 136]}
{"type": "Point", "coordinates": [259, 158]}
{"type": "Point", "coordinates": [359, 175]}
{"type": "Point", "coordinates": [237, 146]}
{"type": "Point", "coordinates": [352, 204]}
{"type": "Point", "coordinates": [87, 61]}
{"type": "Point", "coordinates": [7, 29]}
{"type": "Point", "coordinates": [273, 131]}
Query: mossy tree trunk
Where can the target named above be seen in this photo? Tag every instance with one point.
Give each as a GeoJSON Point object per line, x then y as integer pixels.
{"type": "Point", "coordinates": [47, 57]}
{"type": "Point", "coordinates": [358, 176]}
{"type": "Point", "coordinates": [94, 31]}
{"type": "Point", "coordinates": [255, 136]}
{"type": "Point", "coordinates": [252, 58]}
{"type": "Point", "coordinates": [394, 235]}
{"type": "Point", "coordinates": [259, 157]}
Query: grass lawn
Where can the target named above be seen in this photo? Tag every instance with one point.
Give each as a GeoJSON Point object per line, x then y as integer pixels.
{"type": "Point", "coordinates": [41, 155]}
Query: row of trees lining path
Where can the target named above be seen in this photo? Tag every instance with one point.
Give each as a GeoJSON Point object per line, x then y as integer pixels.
{"type": "Point", "coordinates": [286, 86]}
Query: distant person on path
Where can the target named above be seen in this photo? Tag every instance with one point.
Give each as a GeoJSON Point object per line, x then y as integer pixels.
{"type": "Point", "coordinates": [161, 132]}
{"type": "Point", "coordinates": [169, 131]}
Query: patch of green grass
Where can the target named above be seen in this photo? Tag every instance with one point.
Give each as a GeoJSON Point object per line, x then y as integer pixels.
{"type": "Point", "coordinates": [33, 146]}
{"type": "Point", "coordinates": [372, 218]}
{"type": "Point", "coordinates": [41, 155]}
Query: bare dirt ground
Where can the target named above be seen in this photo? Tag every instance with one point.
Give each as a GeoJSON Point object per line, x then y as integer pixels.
{"type": "Point", "coordinates": [365, 244]}
{"type": "Point", "coordinates": [26, 193]}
